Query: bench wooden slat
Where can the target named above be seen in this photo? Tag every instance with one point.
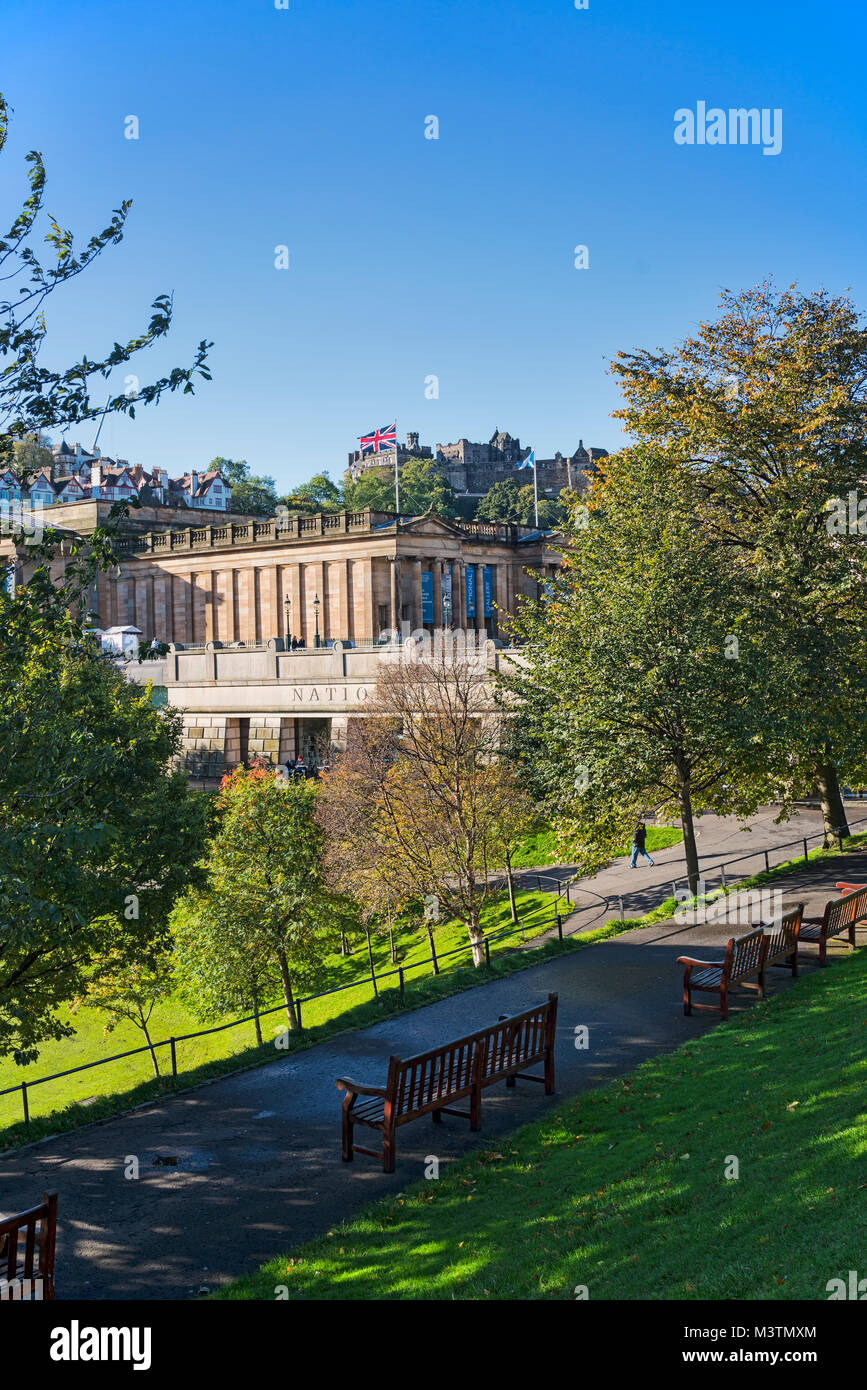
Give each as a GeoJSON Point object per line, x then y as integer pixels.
{"type": "Point", "coordinates": [840, 915]}
{"type": "Point", "coordinates": [38, 1226]}
{"type": "Point", "coordinates": [431, 1081]}
{"type": "Point", "coordinates": [746, 957]}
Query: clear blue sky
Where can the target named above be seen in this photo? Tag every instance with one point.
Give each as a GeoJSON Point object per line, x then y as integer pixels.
{"type": "Point", "coordinates": [412, 257]}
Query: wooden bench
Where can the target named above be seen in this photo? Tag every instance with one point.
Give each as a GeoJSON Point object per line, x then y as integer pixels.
{"type": "Point", "coordinates": [781, 941]}
{"type": "Point", "coordinates": [744, 958]}
{"type": "Point", "coordinates": [27, 1244]}
{"type": "Point", "coordinates": [841, 915]}
{"type": "Point", "coordinates": [431, 1083]}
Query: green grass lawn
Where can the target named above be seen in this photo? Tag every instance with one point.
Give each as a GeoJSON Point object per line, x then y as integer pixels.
{"type": "Point", "coordinates": [102, 1090]}
{"type": "Point", "coordinates": [624, 1189]}
{"type": "Point", "coordinates": [539, 848]}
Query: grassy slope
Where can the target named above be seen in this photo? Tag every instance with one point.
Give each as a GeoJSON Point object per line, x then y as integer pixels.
{"type": "Point", "coordinates": [623, 1189]}
{"type": "Point", "coordinates": [540, 848]}
{"type": "Point", "coordinates": [103, 1088]}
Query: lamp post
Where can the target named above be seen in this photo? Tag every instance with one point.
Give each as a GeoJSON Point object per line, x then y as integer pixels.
{"type": "Point", "coordinates": [287, 606]}
{"type": "Point", "coordinates": [316, 641]}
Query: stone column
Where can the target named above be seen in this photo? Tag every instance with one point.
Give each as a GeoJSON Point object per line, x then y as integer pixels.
{"type": "Point", "coordinates": [459, 595]}
{"type": "Point", "coordinates": [247, 605]}
{"type": "Point", "coordinates": [481, 625]}
{"type": "Point", "coordinates": [271, 619]}
{"type": "Point", "coordinates": [189, 581]}
{"type": "Point", "coordinates": [209, 581]}
{"type": "Point", "coordinates": [368, 634]}
{"type": "Point", "coordinates": [415, 565]}
{"type": "Point", "coordinates": [344, 606]}
{"type": "Point", "coordinates": [437, 567]}
{"type": "Point", "coordinates": [393, 593]}
{"type": "Point", "coordinates": [296, 591]}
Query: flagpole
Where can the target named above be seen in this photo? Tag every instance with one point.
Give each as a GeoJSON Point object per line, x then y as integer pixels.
{"type": "Point", "coordinates": [396, 478]}
{"type": "Point", "coordinates": [535, 489]}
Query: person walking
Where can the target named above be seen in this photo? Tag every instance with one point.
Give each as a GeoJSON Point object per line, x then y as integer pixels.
{"type": "Point", "coordinates": [639, 839]}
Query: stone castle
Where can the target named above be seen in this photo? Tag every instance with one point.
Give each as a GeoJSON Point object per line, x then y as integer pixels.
{"type": "Point", "coordinates": [472, 469]}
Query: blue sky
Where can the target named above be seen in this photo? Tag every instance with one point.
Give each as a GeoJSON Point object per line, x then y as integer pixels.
{"type": "Point", "coordinates": [412, 257]}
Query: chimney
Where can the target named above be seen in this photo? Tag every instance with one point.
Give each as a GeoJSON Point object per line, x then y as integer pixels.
{"type": "Point", "coordinates": [95, 475]}
{"type": "Point", "coordinates": [194, 482]}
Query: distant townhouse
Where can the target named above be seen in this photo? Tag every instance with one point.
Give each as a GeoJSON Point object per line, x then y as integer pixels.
{"type": "Point", "coordinates": [77, 474]}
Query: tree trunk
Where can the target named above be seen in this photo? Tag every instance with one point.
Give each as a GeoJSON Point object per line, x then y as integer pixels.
{"type": "Point", "coordinates": [833, 809]}
{"type": "Point", "coordinates": [393, 948]}
{"type": "Point", "coordinates": [257, 1022]}
{"type": "Point", "coordinates": [370, 959]}
{"type": "Point", "coordinates": [287, 991]}
{"type": "Point", "coordinates": [511, 885]}
{"type": "Point", "coordinates": [684, 801]}
{"type": "Point", "coordinates": [476, 935]}
{"type": "Point", "coordinates": [153, 1053]}
{"type": "Point", "coordinates": [433, 954]}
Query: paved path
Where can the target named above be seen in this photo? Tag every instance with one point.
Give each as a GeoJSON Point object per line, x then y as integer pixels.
{"type": "Point", "coordinates": [720, 840]}
{"type": "Point", "coordinates": [259, 1165]}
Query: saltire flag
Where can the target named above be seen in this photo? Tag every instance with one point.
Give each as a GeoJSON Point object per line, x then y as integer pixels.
{"type": "Point", "coordinates": [379, 440]}
{"type": "Point", "coordinates": [529, 461]}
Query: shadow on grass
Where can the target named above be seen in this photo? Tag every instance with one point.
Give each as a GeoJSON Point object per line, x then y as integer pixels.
{"type": "Point", "coordinates": [733, 1168]}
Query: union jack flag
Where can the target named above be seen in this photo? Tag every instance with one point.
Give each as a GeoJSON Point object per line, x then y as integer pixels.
{"type": "Point", "coordinates": [385, 438]}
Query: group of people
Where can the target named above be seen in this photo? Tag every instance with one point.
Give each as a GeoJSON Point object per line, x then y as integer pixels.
{"type": "Point", "coordinates": [295, 644]}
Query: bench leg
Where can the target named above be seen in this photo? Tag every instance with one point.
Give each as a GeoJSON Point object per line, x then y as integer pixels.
{"type": "Point", "coordinates": [823, 948]}
{"type": "Point", "coordinates": [687, 998]}
{"type": "Point", "coordinates": [511, 1081]}
{"type": "Point", "coordinates": [724, 1003]}
{"type": "Point", "coordinates": [436, 1116]}
{"type": "Point", "coordinates": [387, 1152]}
{"type": "Point", "coordinates": [549, 1073]}
{"type": "Point", "coordinates": [762, 989]}
{"type": "Point", "coordinates": [476, 1110]}
{"type": "Point", "coordinates": [347, 1133]}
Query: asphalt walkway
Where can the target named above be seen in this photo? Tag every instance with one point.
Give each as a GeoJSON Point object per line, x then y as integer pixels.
{"type": "Point", "coordinates": [255, 1161]}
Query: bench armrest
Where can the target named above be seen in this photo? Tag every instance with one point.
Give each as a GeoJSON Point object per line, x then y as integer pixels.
{"type": "Point", "coordinates": [690, 960]}
{"type": "Point", "coordinates": [344, 1083]}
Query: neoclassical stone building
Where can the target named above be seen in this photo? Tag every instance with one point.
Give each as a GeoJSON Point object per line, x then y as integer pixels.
{"type": "Point", "coordinates": [226, 595]}
{"type": "Point", "coordinates": [342, 576]}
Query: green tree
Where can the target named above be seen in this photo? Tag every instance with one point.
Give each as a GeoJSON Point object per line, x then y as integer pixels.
{"type": "Point", "coordinates": [320, 494]}
{"type": "Point", "coordinates": [250, 494]}
{"type": "Point", "coordinates": [509, 501]}
{"type": "Point", "coordinates": [128, 991]}
{"type": "Point", "coordinates": [97, 834]}
{"type": "Point", "coordinates": [501, 502]}
{"type": "Point", "coordinates": [220, 967]}
{"type": "Point", "coordinates": [264, 887]}
{"type": "Point", "coordinates": [765, 411]}
{"type": "Point", "coordinates": [422, 489]}
{"type": "Point", "coordinates": [646, 676]}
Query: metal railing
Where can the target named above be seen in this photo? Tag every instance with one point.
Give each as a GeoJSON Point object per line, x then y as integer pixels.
{"type": "Point", "coordinates": [726, 864]}
{"type": "Point", "coordinates": [375, 978]}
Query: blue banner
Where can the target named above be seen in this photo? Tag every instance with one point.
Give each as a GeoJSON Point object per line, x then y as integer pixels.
{"type": "Point", "coordinates": [488, 590]}
{"type": "Point", "coordinates": [427, 611]}
{"type": "Point", "coordinates": [470, 586]}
